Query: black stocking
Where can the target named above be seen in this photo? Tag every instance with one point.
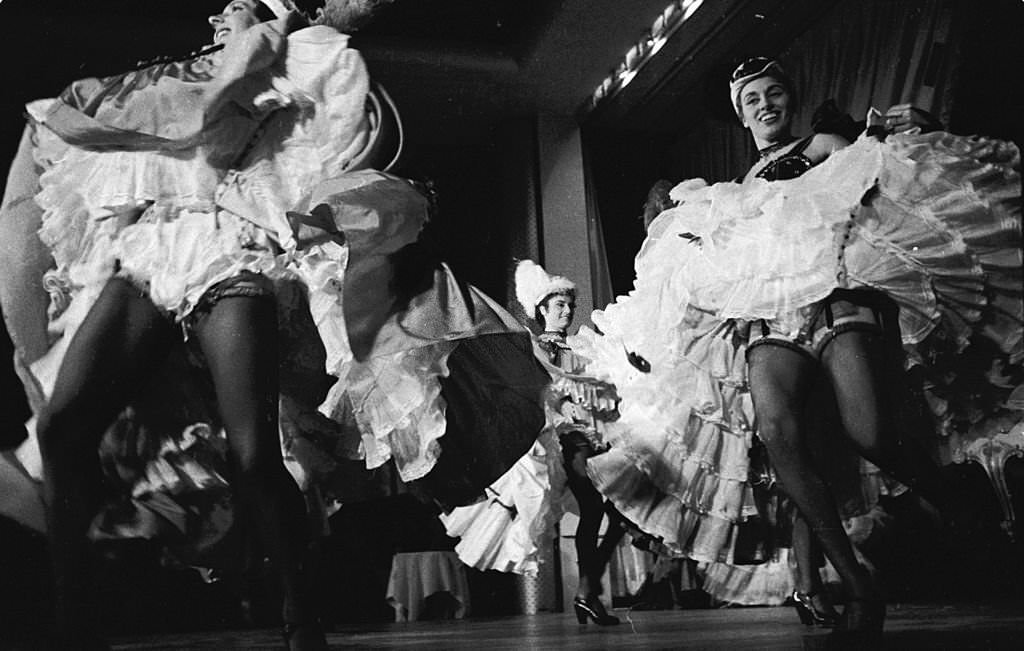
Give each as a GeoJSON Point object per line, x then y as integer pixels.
{"type": "Point", "coordinates": [120, 341]}
{"type": "Point", "coordinates": [805, 553]}
{"type": "Point", "coordinates": [868, 392]}
{"type": "Point", "coordinates": [591, 557]}
{"type": "Point", "coordinates": [780, 380]}
{"type": "Point", "coordinates": [239, 341]}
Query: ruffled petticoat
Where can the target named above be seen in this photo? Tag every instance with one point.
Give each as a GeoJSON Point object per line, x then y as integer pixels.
{"type": "Point", "coordinates": [507, 531]}
{"type": "Point", "coordinates": [391, 404]}
{"type": "Point", "coordinates": [938, 232]}
{"type": "Point", "coordinates": [678, 465]}
{"type": "Point", "coordinates": [161, 219]}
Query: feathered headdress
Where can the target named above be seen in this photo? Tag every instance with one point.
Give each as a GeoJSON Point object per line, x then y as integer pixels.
{"type": "Point", "coordinates": [533, 285]}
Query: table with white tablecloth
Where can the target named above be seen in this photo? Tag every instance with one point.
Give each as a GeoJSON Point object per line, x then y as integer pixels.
{"type": "Point", "coordinates": [418, 575]}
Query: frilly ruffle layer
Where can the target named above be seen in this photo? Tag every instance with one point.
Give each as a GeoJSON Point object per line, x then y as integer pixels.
{"type": "Point", "coordinates": [393, 399]}
{"type": "Point", "coordinates": [678, 464]}
{"type": "Point", "coordinates": [932, 220]}
{"type": "Point", "coordinates": [507, 530]}
{"type": "Point", "coordinates": [941, 236]}
{"type": "Point", "coordinates": [767, 584]}
{"type": "Point", "coordinates": [181, 487]}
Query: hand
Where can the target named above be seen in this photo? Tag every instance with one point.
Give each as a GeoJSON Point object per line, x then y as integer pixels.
{"type": "Point", "coordinates": [906, 118]}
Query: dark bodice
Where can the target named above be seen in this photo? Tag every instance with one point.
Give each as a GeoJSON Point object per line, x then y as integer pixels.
{"type": "Point", "coordinates": [789, 165]}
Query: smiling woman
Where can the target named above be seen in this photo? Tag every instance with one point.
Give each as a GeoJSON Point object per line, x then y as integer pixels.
{"type": "Point", "coordinates": [751, 297]}
{"type": "Point", "coordinates": [765, 101]}
{"type": "Point", "coordinates": [171, 203]}
{"type": "Point", "coordinates": [141, 186]}
{"type": "Point", "coordinates": [238, 16]}
{"type": "Point", "coordinates": [508, 531]}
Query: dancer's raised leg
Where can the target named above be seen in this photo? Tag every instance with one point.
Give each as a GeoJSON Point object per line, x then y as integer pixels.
{"type": "Point", "coordinates": [780, 379]}
{"type": "Point", "coordinates": [120, 341]}
{"type": "Point", "coordinates": [869, 392]}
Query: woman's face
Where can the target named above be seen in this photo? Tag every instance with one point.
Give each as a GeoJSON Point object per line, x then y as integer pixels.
{"type": "Point", "coordinates": [767, 109]}
{"type": "Point", "coordinates": [558, 312]}
{"type": "Point", "coordinates": [237, 16]}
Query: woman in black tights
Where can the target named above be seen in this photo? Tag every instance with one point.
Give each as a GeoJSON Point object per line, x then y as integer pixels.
{"type": "Point", "coordinates": [844, 340]}
{"type": "Point", "coordinates": [215, 260]}
{"type": "Point", "coordinates": [808, 274]}
{"type": "Point", "coordinates": [577, 410]}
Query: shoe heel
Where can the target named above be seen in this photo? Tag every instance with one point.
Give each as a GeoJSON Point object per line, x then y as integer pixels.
{"type": "Point", "coordinates": [581, 614]}
{"type": "Point", "coordinates": [806, 618]}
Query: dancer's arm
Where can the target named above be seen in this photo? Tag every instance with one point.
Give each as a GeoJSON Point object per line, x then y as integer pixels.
{"type": "Point", "coordinates": [824, 145]}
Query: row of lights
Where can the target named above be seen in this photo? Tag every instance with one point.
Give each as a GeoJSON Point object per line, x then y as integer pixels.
{"type": "Point", "coordinates": [667, 22]}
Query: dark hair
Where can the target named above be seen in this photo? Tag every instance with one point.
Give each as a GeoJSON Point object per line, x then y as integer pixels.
{"type": "Point", "coordinates": [571, 293]}
{"type": "Point", "coordinates": [263, 12]}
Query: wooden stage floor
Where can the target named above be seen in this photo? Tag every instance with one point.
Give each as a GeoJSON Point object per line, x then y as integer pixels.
{"type": "Point", "coordinates": [909, 626]}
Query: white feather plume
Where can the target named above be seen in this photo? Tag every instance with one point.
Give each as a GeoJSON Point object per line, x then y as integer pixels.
{"type": "Point", "coordinates": [533, 284]}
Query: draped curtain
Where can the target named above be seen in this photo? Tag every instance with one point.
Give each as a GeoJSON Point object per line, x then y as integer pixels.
{"type": "Point", "coordinates": [600, 275]}
{"type": "Point", "coordinates": [876, 53]}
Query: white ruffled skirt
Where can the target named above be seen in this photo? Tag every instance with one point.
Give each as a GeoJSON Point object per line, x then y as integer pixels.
{"type": "Point", "coordinates": [509, 528]}
{"type": "Point", "coordinates": [933, 221]}
{"type": "Point", "coordinates": [100, 221]}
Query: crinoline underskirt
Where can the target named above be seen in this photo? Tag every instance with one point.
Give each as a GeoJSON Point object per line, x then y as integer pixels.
{"type": "Point", "coordinates": [508, 529]}
{"type": "Point", "coordinates": [389, 405]}
{"type": "Point", "coordinates": [766, 584]}
{"type": "Point", "coordinates": [160, 218]}
{"type": "Point", "coordinates": [933, 221]}
{"type": "Point", "coordinates": [679, 464]}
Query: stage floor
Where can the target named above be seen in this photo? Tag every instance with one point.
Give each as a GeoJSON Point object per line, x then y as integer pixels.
{"type": "Point", "coordinates": [936, 626]}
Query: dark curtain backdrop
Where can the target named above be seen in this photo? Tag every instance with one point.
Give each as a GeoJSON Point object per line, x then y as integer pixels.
{"type": "Point", "coordinates": [600, 275]}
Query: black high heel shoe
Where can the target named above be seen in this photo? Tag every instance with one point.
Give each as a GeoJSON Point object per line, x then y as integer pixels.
{"type": "Point", "coordinates": [811, 616]}
{"type": "Point", "coordinates": [593, 608]}
{"type": "Point", "coordinates": [861, 622]}
{"type": "Point", "coordinates": [307, 636]}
